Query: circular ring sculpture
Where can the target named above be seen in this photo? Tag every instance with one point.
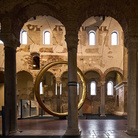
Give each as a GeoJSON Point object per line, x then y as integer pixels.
{"type": "Point", "coordinates": [37, 83]}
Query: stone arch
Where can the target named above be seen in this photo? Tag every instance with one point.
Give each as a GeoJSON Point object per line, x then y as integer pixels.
{"type": "Point", "coordinates": [120, 71]}
{"type": "Point", "coordinates": [25, 85]}
{"type": "Point", "coordinates": [27, 71]}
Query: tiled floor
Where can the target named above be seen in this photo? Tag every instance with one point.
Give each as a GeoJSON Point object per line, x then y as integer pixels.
{"type": "Point", "coordinates": [49, 128]}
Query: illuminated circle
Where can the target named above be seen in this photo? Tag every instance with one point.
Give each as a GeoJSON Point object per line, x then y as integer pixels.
{"type": "Point", "coordinates": [37, 83]}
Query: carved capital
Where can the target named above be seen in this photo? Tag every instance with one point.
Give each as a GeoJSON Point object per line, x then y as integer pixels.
{"type": "Point", "coordinates": [131, 42]}
{"type": "Point", "coordinates": [72, 39]}
{"type": "Point", "coordinates": [102, 83]}
{"type": "Point", "coordinates": [9, 40]}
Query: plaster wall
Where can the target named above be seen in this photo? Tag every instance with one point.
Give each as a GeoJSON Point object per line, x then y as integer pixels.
{"type": "Point", "coordinates": [101, 56]}
{"type": "Point", "coordinates": [1, 95]}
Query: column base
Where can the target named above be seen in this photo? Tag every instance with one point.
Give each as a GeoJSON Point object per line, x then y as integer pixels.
{"type": "Point", "coordinates": [12, 133]}
{"type": "Point", "coordinates": [72, 132]}
{"type": "Point", "coordinates": [102, 115]}
{"type": "Point", "coordinates": [132, 132]}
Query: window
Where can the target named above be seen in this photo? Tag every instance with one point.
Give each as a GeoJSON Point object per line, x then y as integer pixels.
{"type": "Point", "coordinates": [78, 88]}
{"type": "Point", "coordinates": [1, 42]}
{"type": "Point", "coordinates": [41, 88]}
{"type": "Point", "coordinates": [91, 37]}
{"type": "Point", "coordinates": [23, 37]}
{"type": "Point", "coordinates": [36, 63]}
{"type": "Point", "coordinates": [114, 38]}
{"type": "Point", "coordinates": [110, 88]}
{"type": "Point", "coordinates": [46, 37]}
{"type": "Point", "coordinates": [56, 89]}
{"type": "Point", "coordinates": [93, 88]}
{"type": "Point", "coordinates": [60, 88]}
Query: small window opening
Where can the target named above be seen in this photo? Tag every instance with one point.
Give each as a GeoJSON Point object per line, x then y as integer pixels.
{"type": "Point", "coordinates": [110, 88]}
{"type": "Point", "coordinates": [114, 38]}
{"type": "Point", "coordinates": [1, 42]}
{"type": "Point", "coordinates": [56, 89]}
{"type": "Point", "coordinates": [36, 63]}
{"type": "Point", "coordinates": [41, 88]}
{"type": "Point", "coordinates": [23, 37]}
{"type": "Point", "coordinates": [78, 88]}
{"type": "Point", "coordinates": [46, 37]}
{"type": "Point", "coordinates": [60, 88]}
{"type": "Point", "coordinates": [91, 37]}
{"type": "Point", "coordinates": [93, 88]}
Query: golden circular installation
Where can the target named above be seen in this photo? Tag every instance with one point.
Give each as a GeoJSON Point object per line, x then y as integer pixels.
{"type": "Point", "coordinates": [37, 83]}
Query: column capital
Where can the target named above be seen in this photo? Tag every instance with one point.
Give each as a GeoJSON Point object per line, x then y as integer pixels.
{"type": "Point", "coordinates": [131, 42]}
{"type": "Point", "coordinates": [103, 82]}
{"type": "Point", "coordinates": [71, 38]}
{"type": "Point", "coordinates": [9, 40]}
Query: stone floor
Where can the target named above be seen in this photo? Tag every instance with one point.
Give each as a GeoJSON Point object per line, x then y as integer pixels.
{"type": "Point", "coordinates": [50, 128]}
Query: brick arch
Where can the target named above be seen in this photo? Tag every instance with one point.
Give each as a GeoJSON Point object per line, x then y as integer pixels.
{"type": "Point", "coordinates": [107, 8]}
{"type": "Point", "coordinates": [120, 71]}
{"type": "Point", "coordinates": [25, 10]}
{"type": "Point", "coordinates": [97, 71]}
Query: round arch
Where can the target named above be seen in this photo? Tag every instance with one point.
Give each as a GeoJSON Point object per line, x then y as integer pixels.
{"type": "Point", "coordinates": [104, 8]}
{"type": "Point", "coordinates": [24, 11]}
{"type": "Point", "coordinates": [25, 85]}
{"type": "Point", "coordinates": [120, 71]}
{"type": "Point", "coordinates": [27, 71]}
{"type": "Point", "coordinates": [97, 71]}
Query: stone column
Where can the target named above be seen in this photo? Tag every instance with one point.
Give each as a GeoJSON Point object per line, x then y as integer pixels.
{"type": "Point", "coordinates": [58, 96]}
{"type": "Point", "coordinates": [103, 99]}
{"type": "Point", "coordinates": [10, 83]}
{"type": "Point", "coordinates": [132, 99]}
{"type": "Point", "coordinates": [72, 42]}
{"type": "Point", "coordinates": [125, 64]}
{"type": "Point", "coordinates": [80, 96]}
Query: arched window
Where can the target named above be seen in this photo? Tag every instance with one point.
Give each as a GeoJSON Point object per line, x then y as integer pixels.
{"type": "Point", "coordinates": [78, 88]}
{"type": "Point", "coordinates": [110, 88]}
{"type": "Point", "coordinates": [41, 88]}
{"type": "Point", "coordinates": [114, 38]}
{"type": "Point", "coordinates": [23, 37]}
{"type": "Point", "coordinates": [91, 37]}
{"type": "Point", "coordinates": [93, 88]}
{"type": "Point", "coordinates": [56, 89]}
{"type": "Point", "coordinates": [46, 37]}
{"type": "Point", "coordinates": [1, 42]}
{"type": "Point", "coordinates": [36, 62]}
{"type": "Point", "coordinates": [60, 88]}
